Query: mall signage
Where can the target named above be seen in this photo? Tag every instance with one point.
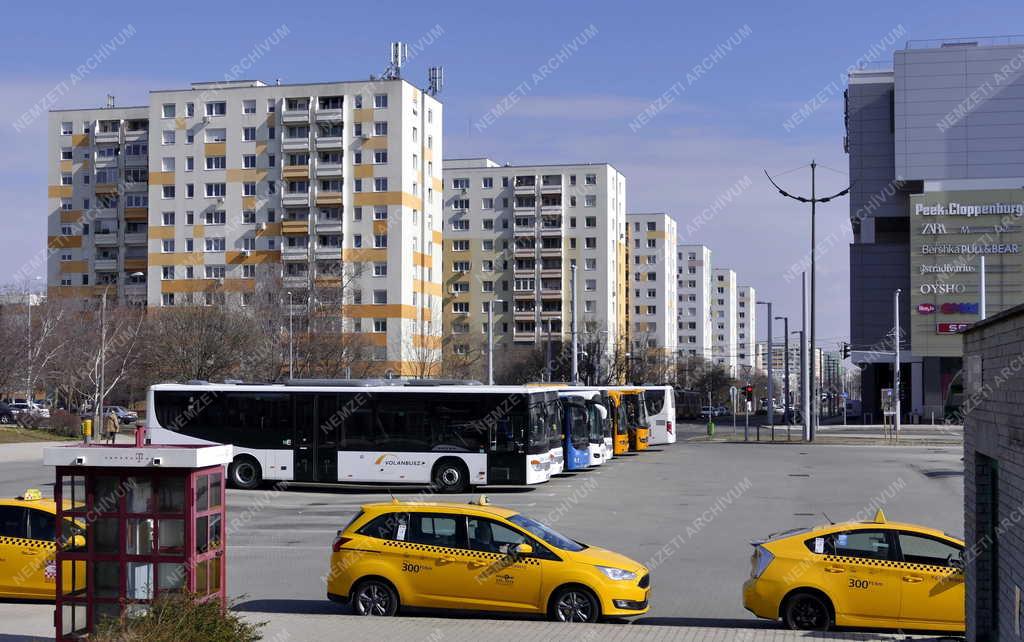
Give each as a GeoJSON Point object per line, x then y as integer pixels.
{"type": "Point", "coordinates": [951, 328]}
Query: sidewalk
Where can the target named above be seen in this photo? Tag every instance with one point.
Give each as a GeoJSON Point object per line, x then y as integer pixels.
{"type": "Point", "coordinates": [23, 622]}
{"type": "Point", "coordinates": [33, 450]}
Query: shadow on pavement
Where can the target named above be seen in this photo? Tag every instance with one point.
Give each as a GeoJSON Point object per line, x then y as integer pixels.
{"type": "Point", "coordinates": [302, 607]}
{"type": "Point", "coordinates": [404, 489]}
{"type": "Point", "coordinates": [709, 622]}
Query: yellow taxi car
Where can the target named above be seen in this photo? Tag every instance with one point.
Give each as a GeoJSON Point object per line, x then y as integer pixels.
{"type": "Point", "coordinates": [28, 547]}
{"type": "Point", "coordinates": [477, 557]}
{"type": "Point", "coordinates": [875, 574]}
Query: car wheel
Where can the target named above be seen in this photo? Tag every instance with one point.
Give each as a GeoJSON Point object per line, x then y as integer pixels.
{"type": "Point", "coordinates": [245, 473]}
{"type": "Point", "coordinates": [807, 612]}
{"type": "Point", "coordinates": [451, 476]}
{"type": "Point", "coordinates": [574, 604]}
{"type": "Point", "coordinates": [374, 597]}
{"type": "Point", "coordinates": [6, 419]}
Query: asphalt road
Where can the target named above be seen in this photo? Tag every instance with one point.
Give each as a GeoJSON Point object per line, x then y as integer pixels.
{"type": "Point", "coordinates": [687, 510]}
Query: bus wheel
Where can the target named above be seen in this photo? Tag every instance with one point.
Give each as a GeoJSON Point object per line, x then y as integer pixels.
{"type": "Point", "coordinates": [450, 476]}
{"type": "Point", "coordinates": [245, 473]}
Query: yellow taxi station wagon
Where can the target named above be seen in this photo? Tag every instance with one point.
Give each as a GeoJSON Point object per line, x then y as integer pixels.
{"type": "Point", "coordinates": [28, 548]}
{"type": "Point", "coordinates": [477, 557]}
{"type": "Point", "coordinates": [875, 574]}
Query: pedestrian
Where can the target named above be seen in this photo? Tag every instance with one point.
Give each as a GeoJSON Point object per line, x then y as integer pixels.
{"type": "Point", "coordinates": [110, 426]}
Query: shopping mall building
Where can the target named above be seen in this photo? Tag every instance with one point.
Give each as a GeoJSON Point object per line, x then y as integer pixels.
{"type": "Point", "coordinates": [936, 148]}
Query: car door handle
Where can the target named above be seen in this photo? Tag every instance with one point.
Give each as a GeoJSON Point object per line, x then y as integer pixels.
{"type": "Point", "coordinates": [475, 564]}
{"type": "Point", "coordinates": [447, 560]}
{"type": "Point", "coordinates": [835, 569]}
{"type": "Point", "coordinates": [33, 553]}
{"type": "Point", "coordinates": [912, 579]}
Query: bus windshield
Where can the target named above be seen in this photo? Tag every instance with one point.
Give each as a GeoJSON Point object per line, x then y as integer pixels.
{"type": "Point", "coordinates": [579, 415]}
{"type": "Point", "coordinates": [553, 415]}
{"type": "Point", "coordinates": [596, 422]}
{"type": "Point", "coordinates": [655, 400]}
{"type": "Point", "coordinates": [539, 437]}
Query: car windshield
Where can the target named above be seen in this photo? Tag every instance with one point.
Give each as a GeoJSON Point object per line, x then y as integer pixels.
{"type": "Point", "coordinates": [544, 532]}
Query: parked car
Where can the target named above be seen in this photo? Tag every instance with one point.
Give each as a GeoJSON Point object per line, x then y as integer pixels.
{"type": "Point", "coordinates": [29, 408]}
{"type": "Point", "coordinates": [124, 415]}
{"type": "Point", "coordinates": [6, 414]}
{"type": "Point", "coordinates": [721, 411]}
{"type": "Point", "coordinates": [707, 412]}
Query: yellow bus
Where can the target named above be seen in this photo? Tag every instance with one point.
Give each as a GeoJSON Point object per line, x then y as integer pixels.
{"type": "Point", "coordinates": [620, 421]}
{"type": "Point", "coordinates": [635, 411]}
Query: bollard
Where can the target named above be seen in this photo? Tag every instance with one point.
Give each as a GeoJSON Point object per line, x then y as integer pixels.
{"type": "Point", "coordinates": [140, 435]}
{"type": "Point", "coordinates": [87, 430]}
{"type": "Point", "coordinates": [711, 429]}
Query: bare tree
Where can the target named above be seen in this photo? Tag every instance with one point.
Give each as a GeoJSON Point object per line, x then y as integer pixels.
{"type": "Point", "coordinates": [197, 342]}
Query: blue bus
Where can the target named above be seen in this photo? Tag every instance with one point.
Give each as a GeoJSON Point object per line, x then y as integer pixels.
{"type": "Point", "coordinates": [577, 427]}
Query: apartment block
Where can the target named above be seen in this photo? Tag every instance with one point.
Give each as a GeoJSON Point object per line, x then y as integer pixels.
{"type": "Point", "coordinates": [724, 308]}
{"type": "Point", "coordinates": [746, 329]}
{"type": "Point", "coordinates": [651, 272]}
{"type": "Point", "coordinates": [512, 233]}
{"type": "Point", "coordinates": [97, 193]}
{"type": "Point", "coordinates": [328, 191]}
{"type": "Point", "coordinates": [693, 300]}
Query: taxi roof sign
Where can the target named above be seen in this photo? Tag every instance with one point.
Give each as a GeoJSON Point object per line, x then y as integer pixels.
{"type": "Point", "coordinates": [31, 495]}
{"type": "Point", "coordinates": [480, 501]}
{"type": "Point", "coordinates": [879, 517]}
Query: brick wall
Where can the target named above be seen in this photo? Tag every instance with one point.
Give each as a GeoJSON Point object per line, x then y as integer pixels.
{"type": "Point", "coordinates": [994, 476]}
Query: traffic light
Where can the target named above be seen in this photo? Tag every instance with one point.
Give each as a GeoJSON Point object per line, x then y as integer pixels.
{"type": "Point", "coordinates": [748, 392]}
{"type": "Point", "coordinates": [846, 350]}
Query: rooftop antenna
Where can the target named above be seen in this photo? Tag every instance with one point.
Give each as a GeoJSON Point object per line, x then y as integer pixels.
{"type": "Point", "coordinates": [435, 80]}
{"type": "Point", "coordinates": [110, 101]}
{"type": "Point", "coordinates": [399, 54]}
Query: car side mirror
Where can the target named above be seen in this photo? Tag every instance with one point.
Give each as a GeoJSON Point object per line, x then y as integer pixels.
{"type": "Point", "coordinates": [75, 543]}
{"type": "Point", "coordinates": [524, 549]}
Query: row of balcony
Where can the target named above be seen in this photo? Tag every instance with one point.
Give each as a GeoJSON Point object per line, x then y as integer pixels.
{"type": "Point", "coordinates": [107, 239]}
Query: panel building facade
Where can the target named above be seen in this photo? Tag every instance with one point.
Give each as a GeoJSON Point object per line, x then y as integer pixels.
{"type": "Point", "coordinates": [651, 291]}
{"type": "Point", "coordinates": [330, 191]}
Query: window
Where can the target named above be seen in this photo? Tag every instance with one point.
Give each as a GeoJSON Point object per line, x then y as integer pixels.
{"type": "Point", "coordinates": [167, 273]}
{"type": "Point", "coordinates": [216, 217]}
{"type": "Point", "coordinates": [249, 161]}
{"type": "Point", "coordinates": [919, 549]}
{"type": "Point", "coordinates": [66, 179]}
{"type": "Point", "coordinates": [357, 240]}
{"type": "Point", "coordinates": [380, 325]}
{"type": "Point", "coordinates": [460, 246]}
{"type": "Point", "coordinates": [380, 128]}
{"type": "Point", "coordinates": [460, 307]}
{"type": "Point", "coordinates": [591, 179]}
{"type": "Point", "coordinates": [219, 108]}
{"type": "Point", "coordinates": [380, 240]}
{"type": "Point", "coordinates": [248, 271]}
{"type": "Point", "coordinates": [167, 137]}
{"type": "Point", "coordinates": [591, 221]}
{"type": "Point", "coordinates": [460, 225]}
{"type": "Point", "coordinates": [380, 269]}
{"type": "Point", "coordinates": [167, 245]}
{"type": "Point", "coordinates": [590, 200]}
{"type": "Point", "coordinates": [380, 184]}
{"type": "Point", "coordinates": [215, 244]}
{"type": "Point", "coordinates": [590, 242]}
{"type": "Point", "coordinates": [216, 135]}
{"type": "Point", "coordinates": [215, 190]}
{"type": "Point", "coordinates": [460, 266]}
{"type": "Point", "coordinates": [168, 218]}
{"type": "Point", "coordinates": [589, 264]}
{"type": "Point", "coordinates": [271, 105]}
{"type": "Point", "coordinates": [216, 162]}
{"type": "Point", "coordinates": [66, 128]}
{"type": "Point", "coordinates": [460, 183]}
{"type": "Point", "coordinates": [215, 271]}
{"type": "Point", "coordinates": [380, 101]}
{"type": "Point", "coordinates": [460, 203]}
{"type": "Point", "coordinates": [590, 285]}
{"type": "Point", "coordinates": [380, 297]}
{"type": "Point", "coordinates": [487, 245]}
{"type": "Point", "coordinates": [867, 544]}
{"type": "Point", "coordinates": [168, 110]}
{"type": "Point", "coordinates": [167, 191]}
{"type": "Point", "coordinates": [380, 156]}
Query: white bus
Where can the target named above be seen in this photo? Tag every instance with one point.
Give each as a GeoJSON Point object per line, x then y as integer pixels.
{"type": "Point", "coordinates": [451, 436]}
{"type": "Point", "coordinates": [661, 413]}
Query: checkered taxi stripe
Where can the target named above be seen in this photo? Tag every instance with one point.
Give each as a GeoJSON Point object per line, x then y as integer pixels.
{"type": "Point", "coordinates": [457, 553]}
{"type": "Point", "coordinates": [29, 543]}
{"type": "Point", "coordinates": [907, 566]}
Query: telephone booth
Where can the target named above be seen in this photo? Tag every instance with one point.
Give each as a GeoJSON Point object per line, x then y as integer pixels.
{"type": "Point", "coordinates": [136, 522]}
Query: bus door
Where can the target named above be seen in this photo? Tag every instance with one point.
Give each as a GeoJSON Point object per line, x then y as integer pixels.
{"type": "Point", "coordinates": [506, 452]}
{"type": "Point", "coordinates": [304, 440]}
{"type": "Point", "coordinates": [327, 439]}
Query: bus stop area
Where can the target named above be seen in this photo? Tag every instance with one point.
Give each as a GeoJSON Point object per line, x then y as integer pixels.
{"type": "Point", "coordinates": [688, 511]}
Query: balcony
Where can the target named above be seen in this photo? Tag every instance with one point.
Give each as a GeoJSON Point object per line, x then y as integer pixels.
{"type": "Point", "coordinates": [550, 251]}
{"type": "Point", "coordinates": [330, 115]}
{"type": "Point", "coordinates": [136, 186]}
{"type": "Point", "coordinates": [104, 265]}
{"type": "Point", "coordinates": [524, 315]}
{"type": "Point", "coordinates": [328, 225]}
{"type": "Point", "coordinates": [136, 135]}
{"type": "Point", "coordinates": [328, 252]}
{"type": "Point", "coordinates": [106, 239]}
{"type": "Point", "coordinates": [300, 226]}
{"type": "Point", "coordinates": [328, 198]}
{"type": "Point", "coordinates": [550, 314]}
{"type": "Point", "coordinates": [330, 142]}
{"type": "Point", "coordinates": [295, 144]}
{"type": "Point", "coordinates": [295, 115]}
{"type": "Point", "coordinates": [550, 231]}
{"type": "Point", "coordinates": [105, 162]}
{"type": "Point", "coordinates": [550, 271]}
{"type": "Point", "coordinates": [295, 281]}
{"type": "Point", "coordinates": [104, 212]}
{"type": "Point", "coordinates": [524, 207]}
{"type": "Point", "coordinates": [294, 253]}
{"type": "Point", "coordinates": [107, 137]}
{"type": "Point", "coordinates": [525, 188]}
{"type": "Point", "coordinates": [326, 170]}
{"type": "Point", "coordinates": [132, 160]}
{"type": "Point", "coordinates": [522, 250]}
{"type": "Point", "coordinates": [135, 290]}
{"type": "Point", "coordinates": [298, 172]}
{"type": "Point", "coordinates": [295, 199]}
{"type": "Point", "coordinates": [136, 238]}
{"type": "Point", "coordinates": [555, 188]}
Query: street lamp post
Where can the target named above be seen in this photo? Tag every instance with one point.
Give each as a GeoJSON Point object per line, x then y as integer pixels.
{"type": "Point", "coordinates": [770, 408]}
{"type": "Point", "coordinates": [785, 382]}
{"type": "Point", "coordinates": [813, 200]}
{"type": "Point", "coordinates": [29, 393]}
{"type": "Point", "coordinates": [291, 338]}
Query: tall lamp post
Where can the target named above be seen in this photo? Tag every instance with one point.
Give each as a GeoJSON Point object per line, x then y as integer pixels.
{"type": "Point", "coordinates": [785, 367]}
{"type": "Point", "coordinates": [29, 392]}
{"type": "Point", "coordinates": [770, 408]}
{"type": "Point", "coordinates": [291, 337]}
{"type": "Point", "coordinates": [101, 392]}
{"type": "Point", "coordinates": [813, 200]}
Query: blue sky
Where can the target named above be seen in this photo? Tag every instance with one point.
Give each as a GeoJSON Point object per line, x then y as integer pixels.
{"type": "Point", "coordinates": [721, 127]}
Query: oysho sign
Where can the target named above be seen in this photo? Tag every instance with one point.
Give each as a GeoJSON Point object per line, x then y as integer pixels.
{"type": "Point", "coordinates": [942, 288]}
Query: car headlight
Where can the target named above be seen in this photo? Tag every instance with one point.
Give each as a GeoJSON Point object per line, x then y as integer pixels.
{"type": "Point", "coordinates": [617, 573]}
